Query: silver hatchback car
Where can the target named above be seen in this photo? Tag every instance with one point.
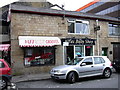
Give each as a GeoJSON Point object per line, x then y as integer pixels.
{"type": "Point", "coordinates": [83, 67]}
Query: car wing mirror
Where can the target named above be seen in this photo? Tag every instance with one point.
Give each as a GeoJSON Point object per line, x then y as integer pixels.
{"type": "Point", "coordinates": [83, 64]}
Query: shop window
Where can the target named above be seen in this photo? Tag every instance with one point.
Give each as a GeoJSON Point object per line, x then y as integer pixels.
{"type": "Point", "coordinates": [78, 27]}
{"type": "Point", "coordinates": [79, 51]}
{"type": "Point", "coordinates": [39, 56]}
{"type": "Point", "coordinates": [28, 52]}
{"type": "Point", "coordinates": [88, 50]}
{"type": "Point", "coordinates": [114, 29]}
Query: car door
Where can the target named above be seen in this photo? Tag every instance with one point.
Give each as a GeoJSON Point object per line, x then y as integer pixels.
{"type": "Point", "coordinates": [1, 68]}
{"type": "Point", "coordinates": [99, 64]}
{"type": "Point", "coordinates": [86, 67]}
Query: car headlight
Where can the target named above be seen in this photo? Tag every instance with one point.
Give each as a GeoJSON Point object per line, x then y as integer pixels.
{"type": "Point", "coordinates": [56, 71]}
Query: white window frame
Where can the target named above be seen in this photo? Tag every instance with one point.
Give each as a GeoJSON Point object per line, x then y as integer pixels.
{"type": "Point", "coordinates": [83, 21]}
{"type": "Point", "coordinates": [109, 35]}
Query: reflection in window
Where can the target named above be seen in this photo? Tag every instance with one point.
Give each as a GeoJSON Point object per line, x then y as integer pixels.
{"type": "Point", "coordinates": [78, 27]}
{"type": "Point", "coordinates": [88, 61]}
{"type": "Point", "coordinates": [71, 27]}
{"type": "Point", "coordinates": [2, 65]}
{"type": "Point", "coordinates": [79, 50]}
{"type": "Point", "coordinates": [98, 60]}
{"type": "Point", "coordinates": [40, 56]}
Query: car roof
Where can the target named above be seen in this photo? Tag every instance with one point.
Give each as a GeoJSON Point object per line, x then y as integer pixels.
{"type": "Point", "coordinates": [2, 60]}
{"type": "Point", "coordinates": [91, 56]}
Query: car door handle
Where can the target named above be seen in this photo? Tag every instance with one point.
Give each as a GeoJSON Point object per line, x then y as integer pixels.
{"type": "Point", "coordinates": [103, 64]}
{"type": "Point", "coordinates": [92, 66]}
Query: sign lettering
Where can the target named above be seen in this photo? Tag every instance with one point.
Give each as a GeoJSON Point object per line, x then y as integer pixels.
{"type": "Point", "coordinates": [79, 41]}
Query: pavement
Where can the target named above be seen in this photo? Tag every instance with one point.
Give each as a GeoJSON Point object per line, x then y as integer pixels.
{"type": "Point", "coordinates": [31, 77]}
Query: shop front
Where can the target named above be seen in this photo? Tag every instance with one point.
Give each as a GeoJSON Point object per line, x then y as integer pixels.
{"type": "Point", "coordinates": [5, 52]}
{"type": "Point", "coordinates": [39, 51]}
{"type": "Point", "coordinates": [77, 47]}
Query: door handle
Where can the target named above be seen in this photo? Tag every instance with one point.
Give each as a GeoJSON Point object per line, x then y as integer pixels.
{"type": "Point", "coordinates": [92, 66]}
{"type": "Point", "coordinates": [103, 64]}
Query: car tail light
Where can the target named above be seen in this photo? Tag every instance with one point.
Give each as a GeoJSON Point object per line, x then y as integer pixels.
{"type": "Point", "coordinates": [9, 71]}
{"type": "Point", "coordinates": [110, 64]}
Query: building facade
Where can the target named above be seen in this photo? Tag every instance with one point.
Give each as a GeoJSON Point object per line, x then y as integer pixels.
{"type": "Point", "coordinates": [44, 38]}
{"type": "Point", "coordinates": [4, 35]}
{"type": "Point", "coordinates": [102, 7]}
{"type": "Point", "coordinates": [5, 25]}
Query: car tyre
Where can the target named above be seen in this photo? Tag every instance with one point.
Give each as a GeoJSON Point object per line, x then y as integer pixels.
{"type": "Point", "coordinates": [71, 77]}
{"type": "Point", "coordinates": [4, 83]}
{"type": "Point", "coordinates": [107, 73]}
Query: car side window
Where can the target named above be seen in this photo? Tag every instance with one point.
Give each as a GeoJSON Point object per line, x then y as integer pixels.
{"type": "Point", "coordinates": [2, 65]}
{"type": "Point", "coordinates": [88, 61]}
{"type": "Point", "coordinates": [102, 60]}
{"type": "Point", "coordinates": [98, 60]}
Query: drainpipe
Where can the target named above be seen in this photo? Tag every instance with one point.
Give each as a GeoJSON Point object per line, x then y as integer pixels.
{"type": "Point", "coordinates": [97, 28]}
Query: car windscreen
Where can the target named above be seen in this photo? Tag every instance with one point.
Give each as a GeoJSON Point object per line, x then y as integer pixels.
{"type": "Point", "coordinates": [74, 61]}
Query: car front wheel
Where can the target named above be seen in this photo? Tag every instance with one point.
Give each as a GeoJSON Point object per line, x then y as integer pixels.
{"type": "Point", "coordinates": [107, 73]}
{"type": "Point", "coordinates": [71, 77]}
{"type": "Point", "coordinates": [3, 83]}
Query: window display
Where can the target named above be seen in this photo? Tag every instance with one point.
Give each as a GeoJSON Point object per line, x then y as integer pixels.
{"type": "Point", "coordinates": [39, 56]}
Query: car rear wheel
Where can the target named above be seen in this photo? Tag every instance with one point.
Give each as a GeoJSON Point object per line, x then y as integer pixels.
{"type": "Point", "coordinates": [71, 77]}
{"type": "Point", "coordinates": [3, 83]}
{"type": "Point", "coordinates": [107, 73]}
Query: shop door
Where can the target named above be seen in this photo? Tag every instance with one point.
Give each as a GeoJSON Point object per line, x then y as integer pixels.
{"type": "Point", "coordinates": [88, 50]}
{"type": "Point", "coordinates": [70, 52]}
{"type": "Point", "coordinates": [116, 51]}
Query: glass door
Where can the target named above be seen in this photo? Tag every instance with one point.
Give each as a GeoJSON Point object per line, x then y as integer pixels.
{"type": "Point", "coordinates": [88, 50]}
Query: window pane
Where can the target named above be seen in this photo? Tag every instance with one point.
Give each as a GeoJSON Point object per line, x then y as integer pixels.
{"type": "Point", "coordinates": [78, 27]}
{"type": "Point", "coordinates": [2, 65]}
{"type": "Point", "coordinates": [82, 28]}
{"type": "Point", "coordinates": [71, 27]}
{"type": "Point", "coordinates": [85, 29]}
{"type": "Point", "coordinates": [114, 29]}
{"type": "Point", "coordinates": [28, 52]}
{"type": "Point", "coordinates": [88, 50]}
{"type": "Point", "coordinates": [88, 61]}
{"type": "Point", "coordinates": [41, 56]}
{"type": "Point", "coordinates": [79, 50]}
{"type": "Point", "coordinates": [98, 60]}
{"type": "Point", "coordinates": [102, 60]}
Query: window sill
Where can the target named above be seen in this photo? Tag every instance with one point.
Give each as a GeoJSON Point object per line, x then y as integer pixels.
{"type": "Point", "coordinates": [77, 34]}
{"type": "Point", "coordinates": [112, 36]}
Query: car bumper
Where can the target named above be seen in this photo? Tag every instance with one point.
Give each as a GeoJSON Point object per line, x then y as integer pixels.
{"type": "Point", "coordinates": [58, 76]}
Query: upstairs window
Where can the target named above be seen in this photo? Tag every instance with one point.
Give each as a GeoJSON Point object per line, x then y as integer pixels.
{"type": "Point", "coordinates": [78, 27]}
{"type": "Point", "coordinates": [114, 29]}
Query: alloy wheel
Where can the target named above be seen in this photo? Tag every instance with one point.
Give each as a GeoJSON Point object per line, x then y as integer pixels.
{"type": "Point", "coordinates": [107, 73]}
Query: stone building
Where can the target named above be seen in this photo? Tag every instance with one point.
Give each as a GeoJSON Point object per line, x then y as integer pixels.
{"type": "Point", "coordinates": [43, 38]}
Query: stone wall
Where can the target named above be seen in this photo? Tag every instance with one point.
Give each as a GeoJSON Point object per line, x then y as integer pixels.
{"type": "Point", "coordinates": [34, 25]}
{"type": "Point", "coordinates": [43, 25]}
